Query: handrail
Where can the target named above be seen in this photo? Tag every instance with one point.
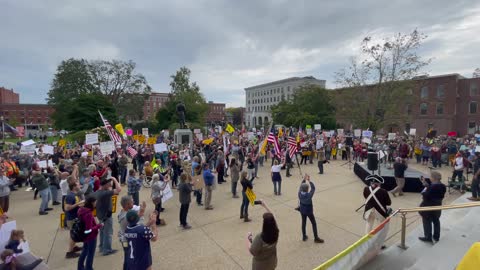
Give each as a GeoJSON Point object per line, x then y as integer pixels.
{"type": "Point", "coordinates": [440, 207]}
{"type": "Point", "coordinates": [405, 211]}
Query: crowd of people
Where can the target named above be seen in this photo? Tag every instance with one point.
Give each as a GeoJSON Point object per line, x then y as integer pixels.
{"type": "Point", "coordinates": [83, 179]}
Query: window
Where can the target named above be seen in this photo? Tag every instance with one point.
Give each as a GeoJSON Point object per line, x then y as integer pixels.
{"type": "Point", "coordinates": [472, 127]}
{"type": "Point", "coordinates": [409, 92]}
{"type": "Point", "coordinates": [409, 109]}
{"type": "Point", "coordinates": [473, 89]}
{"type": "Point", "coordinates": [424, 92]}
{"type": "Point", "coordinates": [423, 108]}
{"type": "Point", "coordinates": [473, 107]}
{"type": "Point", "coordinates": [288, 88]}
{"type": "Point", "coordinates": [440, 91]}
{"type": "Point", "coordinates": [440, 108]}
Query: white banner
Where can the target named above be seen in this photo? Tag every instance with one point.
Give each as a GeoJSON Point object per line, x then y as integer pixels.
{"type": "Point", "coordinates": [47, 149]}
{"type": "Point", "coordinates": [357, 132]}
{"type": "Point", "coordinates": [91, 138]}
{"type": "Point", "coordinates": [28, 149]}
{"type": "Point", "coordinates": [340, 131]}
{"type": "Point", "coordinates": [167, 193]}
{"type": "Point", "coordinates": [160, 147]}
{"type": "Point", "coordinates": [317, 127]}
{"type": "Point", "coordinates": [107, 147]}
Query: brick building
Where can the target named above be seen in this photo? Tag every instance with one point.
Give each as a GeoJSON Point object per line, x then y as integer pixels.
{"type": "Point", "coordinates": [154, 102]}
{"type": "Point", "coordinates": [216, 113]}
{"type": "Point", "coordinates": [7, 96]}
{"type": "Point", "coordinates": [444, 103]}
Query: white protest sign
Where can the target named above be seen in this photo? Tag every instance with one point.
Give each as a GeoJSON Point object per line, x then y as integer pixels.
{"type": "Point", "coordinates": [477, 149]}
{"type": "Point", "coordinates": [44, 164]}
{"type": "Point", "coordinates": [317, 127]}
{"type": "Point", "coordinates": [145, 132]}
{"type": "Point", "coordinates": [24, 246]}
{"type": "Point", "coordinates": [250, 135]}
{"type": "Point", "coordinates": [366, 140]}
{"type": "Point", "coordinates": [319, 144]}
{"type": "Point", "coordinates": [196, 131]}
{"type": "Point", "coordinates": [332, 132]}
{"type": "Point", "coordinates": [84, 154]}
{"type": "Point", "coordinates": [391, 136]}
{"type": "Point", "coordinates": [29, 142]}
{"type": "Point", "coordinates": [107, 147]}
{"type": "Point", "coordinates": [166, 133]}
{"type": "Point", "coordinates": [199, 136]}
{"type": "Point", "coordinates": [367, 133]}
{"type": "Point", "coordinates": [28, 149]}
{"type": "Point", "coordinates": [309, 131]}
{"type": "Point", "coordinates": [357, 132]}
{"type": "Point", "coordinates": [340, 131]}
{"type": "Point", "coordinates": [303, 144]}
{"type": "Point", "coordinates": [381, 154]}
{"type": "Point", "coordinates": [91, 138]}
{"type": "Point", "coordinates": [47, 149]}
{"type": "Point", "coordinates": [5, 232]}
{"type": "Point", "coordinates": [413, 131]}
{"type": "Point", "coordinates": [167, 193]}
{"type": "Point", "coordinates": [160, 147]}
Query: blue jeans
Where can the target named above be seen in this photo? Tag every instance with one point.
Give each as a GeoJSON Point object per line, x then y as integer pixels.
{"type": "Point", "coordinates": [244, 207]}
{"type": "Point", "coordinates": [106, 233]}
{"type": "Point", "coordinates": [88, 252]}
{"type": "Point", "coordinates": [123, 174]}
{"type": "Point", "coordinates": [54, 191]}
{"type": "Point", "coordinates": [46, 195]}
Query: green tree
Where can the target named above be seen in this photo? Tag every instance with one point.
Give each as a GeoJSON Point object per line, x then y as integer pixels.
{"type": "Point", "coordinates": [236, 114]}
{"type": "Point", "coordinates": [85, 115]}
{"type": "Point", "coordinates": [377, 85]}
{"type": "Point", "coordinates": [71, 80]}
{"type": "Point", "coordinates": [126, 89]}
{"type": "Point", "coordinates": [311, 104]}
{"type": "Point", "coordinates": [183, 91]}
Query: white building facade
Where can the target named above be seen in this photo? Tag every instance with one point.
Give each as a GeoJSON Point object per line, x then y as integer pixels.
{"type": "Point", "coordinates": [261, 98]}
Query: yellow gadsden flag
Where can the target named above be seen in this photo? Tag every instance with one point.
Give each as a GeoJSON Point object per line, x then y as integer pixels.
{"type": "Point", "coordinates": [119, 128]}
{"type": "Point", "coordinates": [280, 132]}
{"type": "Point", "coordinates": [229, 129]}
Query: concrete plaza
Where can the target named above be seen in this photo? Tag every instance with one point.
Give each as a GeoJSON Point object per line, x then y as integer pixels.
{"type": "Point", "coordinates": [217, 238]}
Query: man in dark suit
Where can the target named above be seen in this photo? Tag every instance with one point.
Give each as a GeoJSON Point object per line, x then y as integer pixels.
{"type": "Point", "coordinates": [433, 195]}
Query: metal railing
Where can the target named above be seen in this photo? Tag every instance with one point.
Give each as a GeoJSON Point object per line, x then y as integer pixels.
{"type": "Point", "coordinates": [405, 211]}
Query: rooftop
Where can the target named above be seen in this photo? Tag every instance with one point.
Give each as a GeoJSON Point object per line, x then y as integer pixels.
{"type": "Point", "coordinates": [283, 81]}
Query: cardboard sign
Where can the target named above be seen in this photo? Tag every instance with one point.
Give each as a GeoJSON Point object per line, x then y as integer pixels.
{"type": "Point", "coordinates": [357, 132]}
{"type": "Point", "coordinates": [160, 147]}
{"type": "Point", "coordinates": [107, 147]}
{"type": "Point", "coordinates": [391, 136]}
{"type": "Point", "coordinates": [47, 149]}
{"type": "Point", "coordinates": [317, 127]}
{"type": "Point", "coordinates": [167, 193]}
{"type": "Point", "coordinates": [251, 196]}
{"type": "Point", "coordinates": [198, 182]}
{"type": "Point", "coordinates": [367, 140]}
{"type": "Point", "coordinates": [28, 149]}
{"type": "Point", "coordinates": [367, 133]}
{"type": "Point", "coordinates": [145, 132]}
{"type": "Point", "coordinates": [413, 131]}
{"type": "Point", "coordinates": [340, 131]}
{"type": "Point", "coordinates": [91, 138]}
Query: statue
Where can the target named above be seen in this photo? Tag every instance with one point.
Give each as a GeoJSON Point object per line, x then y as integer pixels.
{"type": "Point", "coordinates": [181, 114]}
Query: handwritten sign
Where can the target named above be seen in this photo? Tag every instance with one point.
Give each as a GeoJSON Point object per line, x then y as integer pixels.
{"type": "Point", "coordinates": [160, 147]}
{"type": "Point", "coordinates": [28, 149]}
{"type": "Point", "coordinates": [340, 131]}
{"type": "Point", "coordinates": [357, 132]}
{"type": "Point", "coordinates": [251, 196]}
{"type": "Point", "coordinates": [367, 133]}
{"type": "Point", "coordinates": [367, 140]}
{"type": "Point", "coordinates": [391, 136]}
{"type": "Point", "coordinates": [167, 193]}
{"type": "Point", "coordinates": [107, 147]}
{"type": "Point", "coordinates": [47, 149]}
{"type": "Point", "coordinates": [91, 138]}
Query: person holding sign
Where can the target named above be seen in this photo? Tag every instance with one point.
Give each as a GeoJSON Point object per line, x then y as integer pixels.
{"type": "Point", "coordinates": [305, 195]}
{"type": "Point", "coordinates": [246, 184]}
{"type": "Point", "coordinates": [264, 246]}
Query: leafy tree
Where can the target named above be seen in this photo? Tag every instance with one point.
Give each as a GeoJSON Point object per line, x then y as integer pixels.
{"type": "Point", "coordinates": [71, 80]}
{"type": "Point", "coordinates": [476, 73]}
{"type": "Point", "coordinates": [125, 89]}
{"type": "Point", "coordinates": [236, 115]}
{"type": "Point", "coordinates": [377, 84]}
{"type": "Point", "coordinates": [311, 104]}
{"type": "Point", "coordinates": [85, 114]}
{"type": "Point", "coordinates": [187, 93]}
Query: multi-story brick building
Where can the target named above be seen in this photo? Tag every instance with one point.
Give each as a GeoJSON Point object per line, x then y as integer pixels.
{"type": "Point", "coordinates": [215, 113]}
{"type": "Point", "coordinates": [7, 96]}
{"type": "Point", "coordinates": [154, 102]}
{"type": "Point", "coordinates": [444, 103]}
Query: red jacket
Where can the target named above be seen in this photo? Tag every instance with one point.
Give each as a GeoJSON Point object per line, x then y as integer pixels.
{"type": "Point", "coordinates": [86, 216]}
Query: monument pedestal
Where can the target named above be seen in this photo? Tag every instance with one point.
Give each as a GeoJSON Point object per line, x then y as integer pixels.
{"type": "Point", "coordinates": [183, 136]}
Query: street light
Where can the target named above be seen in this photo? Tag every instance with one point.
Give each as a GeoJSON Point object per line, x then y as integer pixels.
{"type": "Point", "coordinates": [3, 130]}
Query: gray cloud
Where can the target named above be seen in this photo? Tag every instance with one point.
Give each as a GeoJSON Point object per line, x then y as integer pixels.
{"type": "Point", "coordinates": [229, 45]}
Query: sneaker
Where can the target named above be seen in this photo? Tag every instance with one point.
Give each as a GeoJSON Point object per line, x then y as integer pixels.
{"type": "Point", "coordinates": [71, 255]}
{"type": "Point", "coordinates": [209, 208]}
{"type": "Point", "coordinates": [200, 204]}
{"type": "Point", "coordinates": [42, 213]}
{"type": "Point", "coordinates": [319, 240]}
{"type": "Point", "coordinates": [187, 227]}
{"type": "Point", "coordinates": [394, 195]}
{"type": "Point", "coordinates": [473, 199]}
{"type": "Point", "coordinates": [305, 238]}
{"type": "Point", "coordinates": [56, 203]}
{"type": "Point", "coordinates": [77, 249]}
{"type": "Point", "coordinates": [235, 196]}
{"type": "Point", "coordinates": [113, 251]}
{"type": "Point", "coordinates": [48, 209]}
{"type": "Point", "coordinates": [401, 194]}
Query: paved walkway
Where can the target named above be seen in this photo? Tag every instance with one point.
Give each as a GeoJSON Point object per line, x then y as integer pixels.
{"type": "Point", "coordinates": [216, 240]}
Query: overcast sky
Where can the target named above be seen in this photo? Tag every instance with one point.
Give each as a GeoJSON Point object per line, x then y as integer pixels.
{"type": "Point", "coordinates": [228, 45]}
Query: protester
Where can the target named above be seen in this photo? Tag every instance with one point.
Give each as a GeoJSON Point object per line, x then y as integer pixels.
{"type": "Point", "coordinates": [197, 170]}
{"type": "Point", "coordinates": [264, 246]}
{"type": "Point", "coordinates": [134, 184]}
{"type": "Point", "coordinates": [85, 214]}
{"type": "Point", "coordinates": [159, 184]}
{"type": "Point", "coordinates": [104, 213]}
{"type": "Point", "coordinates": [71, 206]}
{"type": "Point", "coordinates": [43, 188]}
{"type": "Point", "coordinates": [305, 194]}
{"type": "Point", "coordinates": [138, 237]}
{"type": "Point", "coordinates": [127, 204]}
{"type": "Point", "coordinates": [235, 172]}
{"type": "Point", "coordinates": [276, 177]}
{"type": "Point", "coordinates": [122, 167]}
{"type": "Point", "coordinates": [377, 201]}
{"type": "Point", "coordinates": [458, 167]}
{"type": "Point", "coordinates": [476, 179]}
{"type": "Point", "coordinates": [184, 190]}
{"type": "Point", "coordinates": [208, 178]}
{"type": "Point", "coordinates": [399, 168]}
{"type": "Point", "coordinates": [5, 183]}
{"type": "Point", "coordinates": [433, 195]}
{"type": "Point", "coordinates": [246, 183]}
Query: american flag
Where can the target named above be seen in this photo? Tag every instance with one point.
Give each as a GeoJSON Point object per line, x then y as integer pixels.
{"type": "Point", "coordinates": [292, 145]}
{"type": "Point", "coordinates": [273, 139]}
{"type": "Point", "coordinates": [131, 151]}
{"type": "Point", "coordinates": [111, 132]}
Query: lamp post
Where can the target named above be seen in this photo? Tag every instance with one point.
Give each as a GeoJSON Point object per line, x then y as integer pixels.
{"type": "Point", "coordinates": [3, 130]}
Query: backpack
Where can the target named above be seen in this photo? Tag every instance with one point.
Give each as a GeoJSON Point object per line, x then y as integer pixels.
{"type": "Point", "coordinates": [77, 232]}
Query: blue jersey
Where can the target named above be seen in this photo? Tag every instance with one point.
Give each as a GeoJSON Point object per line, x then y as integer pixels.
{"type": "Point", "coordinates": [139, 254]}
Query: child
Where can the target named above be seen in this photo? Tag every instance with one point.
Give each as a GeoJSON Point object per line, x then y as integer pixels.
{"type": "Point", "coordinates": [10, 262]}
{"type": "Point", "coordinates": [134, 186]}
{"type": "Point", "coordinates": [15, 237]}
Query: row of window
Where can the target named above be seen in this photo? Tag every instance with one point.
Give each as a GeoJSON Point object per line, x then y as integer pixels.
{"type": "Point", "coordinates": [270, 99]}
{"type": "Point", "coordinates": [259, 108]}
{"type": "Point", "coordinates": [472, 108]}
{"type": "Point", "coordinates": [424, 92]}
{"type": "Point", "coordinates": [260, 93]}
